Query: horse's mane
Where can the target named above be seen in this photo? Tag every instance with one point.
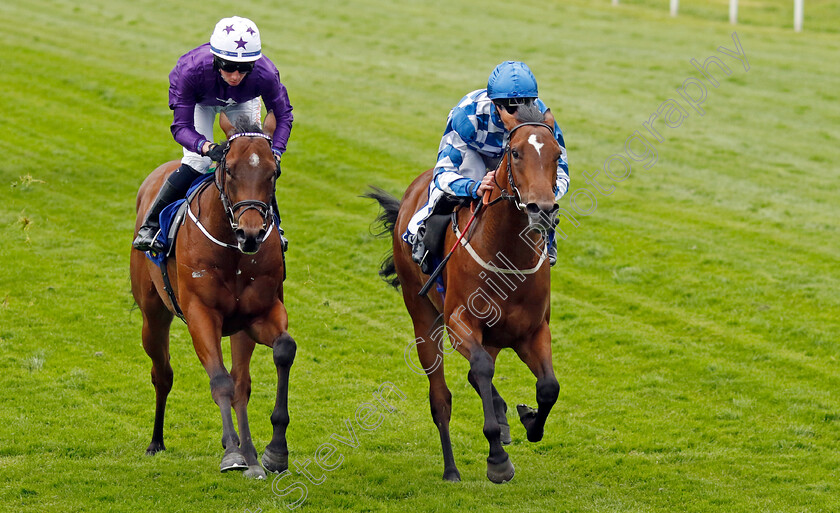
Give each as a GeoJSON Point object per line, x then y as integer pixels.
{"type": "Point", "coordinates": [243, 125]}
{"type": "Point", "coordinates": [529, 113]}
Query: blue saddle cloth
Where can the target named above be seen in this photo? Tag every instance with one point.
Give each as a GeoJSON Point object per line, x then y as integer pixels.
{"type": "Point", "coordinates": [171, 216]}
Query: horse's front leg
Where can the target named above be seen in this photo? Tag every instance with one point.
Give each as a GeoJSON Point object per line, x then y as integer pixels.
{"type": "Point", "coordinates": [206, 330]}
{"type": "Point", "coordinates": [499, 404]}
{"type": "Point", "coordinates": [241, 349]}
{"type": "Point", "coordinates": [272, 331]}
{"type": "Point", "coordinates": [482, 367]}
{"type": "Point", "coordinates": [537, 356]}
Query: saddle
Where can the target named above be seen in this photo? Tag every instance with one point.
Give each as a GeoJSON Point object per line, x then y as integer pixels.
{"type": "Point", "coordinates": [171, 218]}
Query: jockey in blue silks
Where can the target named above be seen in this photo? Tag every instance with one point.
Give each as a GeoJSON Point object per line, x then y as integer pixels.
{"type": "Point", "coordinates": [473, 144]}
{"type": "Point", "coordinates": [229, 74]}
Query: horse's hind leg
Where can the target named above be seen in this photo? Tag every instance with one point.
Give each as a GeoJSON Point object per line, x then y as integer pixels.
{"type": "Point", "coordinates": [537, 356]}
{"type": "Point", "coordinates": [429, 335]}
{"type": "Point", "coordinates": [499, 405]}
{"type": "Point", "coordinates": [155, 335]}
{"type": "Point", "coordinates": [156, 344]}
{"type": "Point", "coordinates": [241, 349]}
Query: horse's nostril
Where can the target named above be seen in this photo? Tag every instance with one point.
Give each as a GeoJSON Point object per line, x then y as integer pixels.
{"type": "Point", "coordinates": [532, 208]}
{"type": "Point", "coordinates": [261, 235]}
{"type": "Point", "coordinates": [240, 234]}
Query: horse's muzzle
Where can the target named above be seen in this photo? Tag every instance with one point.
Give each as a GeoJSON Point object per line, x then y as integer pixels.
{"type": "Point", "coordinates": [542, 219]}
{"type": "Point", "coordinates": [249, 243]}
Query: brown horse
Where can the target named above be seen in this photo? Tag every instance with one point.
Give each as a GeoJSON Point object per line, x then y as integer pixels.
{"type": "Point", "coordinates": [497, 298]}
{"type": "Point", "coordinates": [227, 275]}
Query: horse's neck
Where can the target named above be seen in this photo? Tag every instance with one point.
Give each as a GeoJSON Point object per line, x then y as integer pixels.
{"type": "Point", "coordinates": [503, 235]}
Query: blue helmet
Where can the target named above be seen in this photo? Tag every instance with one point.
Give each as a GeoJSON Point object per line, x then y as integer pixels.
{"type": "Point", "coordinates": [512, 79]}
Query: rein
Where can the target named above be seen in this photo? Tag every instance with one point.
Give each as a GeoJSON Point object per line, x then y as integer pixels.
{"type": "Point", "coordinates": [230, 210]}
{"type": "Point", "coordinates": [261, 207]}
{"type": "Point", "coordinates": [515, 196]}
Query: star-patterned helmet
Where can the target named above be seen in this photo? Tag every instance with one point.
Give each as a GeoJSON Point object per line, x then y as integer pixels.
{"type": "Point", "coordinates": [236, 39]}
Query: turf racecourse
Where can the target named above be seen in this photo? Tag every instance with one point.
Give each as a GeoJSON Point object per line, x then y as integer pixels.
{"type": "Point", "coordinates": [696, 312]}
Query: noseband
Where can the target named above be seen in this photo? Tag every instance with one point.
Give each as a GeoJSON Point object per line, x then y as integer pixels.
{"type": "Point", "coordinates": [514, 195]}
{"type": "Point", "coordinates": [261, 207]}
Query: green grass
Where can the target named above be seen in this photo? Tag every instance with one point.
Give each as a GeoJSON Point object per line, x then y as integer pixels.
{"type": "Point", "coordinates": [695, 312]}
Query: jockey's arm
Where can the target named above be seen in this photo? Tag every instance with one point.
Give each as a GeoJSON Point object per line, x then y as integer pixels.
{"type": "Point", "coordinates": [453, 148]}
{"type": "Point", "coordinates": [276, 99]}
{"type": "Point", "coordinates": [447, 176]}
{"type": "Point", "coordinates": [562, 184]}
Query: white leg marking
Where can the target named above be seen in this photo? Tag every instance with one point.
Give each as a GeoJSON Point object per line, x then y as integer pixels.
{"type": "Point", "coordinates": [533, 141]}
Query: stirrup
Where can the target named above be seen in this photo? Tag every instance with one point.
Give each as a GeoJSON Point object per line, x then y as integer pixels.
{"type": "Point", "coordinates": [146, 239]}
{"type": "Point", "coordinates": [418, 249]}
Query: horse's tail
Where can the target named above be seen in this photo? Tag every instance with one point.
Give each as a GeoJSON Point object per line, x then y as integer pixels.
{"type": "Point", "coordinates": [388, 219]}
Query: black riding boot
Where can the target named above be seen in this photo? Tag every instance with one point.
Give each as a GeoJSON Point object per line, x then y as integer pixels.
{"type": "Point", "coordinates": [283, 240]}
{"type": "Point", "coordinates": [418, 249]}
{"type": "Point", "coordinates": [174, 188]}
{"type": "Point", "coordinates": [552, 249]}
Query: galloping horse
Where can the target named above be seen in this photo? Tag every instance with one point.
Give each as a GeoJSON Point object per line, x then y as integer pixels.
{"type": "Point", "coordinates": [227, 275]}
{"type": "Point", "coordinates": [496, 287]}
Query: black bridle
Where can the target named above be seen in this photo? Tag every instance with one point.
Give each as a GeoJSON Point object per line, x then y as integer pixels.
{"type": "Point", "coordinates": [261, 207]}
{"type": "Point", "coordinates": [514, 195]}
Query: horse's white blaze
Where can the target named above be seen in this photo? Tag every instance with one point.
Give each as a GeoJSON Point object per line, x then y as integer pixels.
{"type": "Point", "coordinates": [198, 274]}
{"type": "Point", "coordinates": [254, 160]}
{"type": "Point", "coordinates": [536, 144]}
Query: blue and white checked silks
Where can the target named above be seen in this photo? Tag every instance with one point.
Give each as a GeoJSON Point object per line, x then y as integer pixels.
{"type": "Point", "coordinates": [472, 143]}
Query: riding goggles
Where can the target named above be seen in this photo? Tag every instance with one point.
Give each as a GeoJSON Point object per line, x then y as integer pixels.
{"type": "Point", "coordinates": [231, 66]}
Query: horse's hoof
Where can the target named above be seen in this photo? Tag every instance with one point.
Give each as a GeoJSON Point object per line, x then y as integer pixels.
{"type": "Point", "coordinates": [233, 461]}
{"type": "Point", "coordinates": [254, 472]}
{"type": "Point", "coordinates": [154, 448]}
{"type": "Point", "coordinates": [500, 472]}
{"type": "Point", "coordinates": [453, 476]}
{"type": "Point", "coordinates": [274, 462]}
{"type": "Point", "coordinates": [504, 435]}
{"type": "Point", "coordinates": [528, 416]}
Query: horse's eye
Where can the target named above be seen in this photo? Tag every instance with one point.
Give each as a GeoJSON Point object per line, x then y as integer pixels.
{"type": "Point", "coordinates": [514, 153]}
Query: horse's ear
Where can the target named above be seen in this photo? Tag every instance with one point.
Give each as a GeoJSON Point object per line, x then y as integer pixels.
{"type": "Point", "coordinates": [507, 118]}
{"type": "Point", "coordinates": [549, 118]}
{"type": "Point", "coordinates": [225, 124]}
{"type": "Point", "coordinates": [270, 124]}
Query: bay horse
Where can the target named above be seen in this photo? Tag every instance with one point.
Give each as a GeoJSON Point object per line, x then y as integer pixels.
{"type": "Point", "coordinates": [227, 275]}
{"type": "Point", "coordinates": [495, 298]}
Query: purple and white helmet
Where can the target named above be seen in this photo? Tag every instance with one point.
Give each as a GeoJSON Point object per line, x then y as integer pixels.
{"type": "Point", "coordinates": [236, 39]}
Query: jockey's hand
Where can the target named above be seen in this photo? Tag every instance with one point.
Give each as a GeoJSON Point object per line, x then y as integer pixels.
{"type": "Point", "coordinates": [277, 163]}
{"type": "Point", "coordinates": [488, 183]}
{"type": "Point", "coordinates": [216, 152]}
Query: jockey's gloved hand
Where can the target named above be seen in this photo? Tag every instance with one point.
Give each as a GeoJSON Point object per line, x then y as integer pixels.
{"type": "Point", "coordinates": [216, 152]}
{"type": "Point", "coordinates": [277, 155]}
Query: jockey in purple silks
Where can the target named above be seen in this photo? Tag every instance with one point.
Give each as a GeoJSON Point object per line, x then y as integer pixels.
{"type": "Point", "coordinates": [229, 74]}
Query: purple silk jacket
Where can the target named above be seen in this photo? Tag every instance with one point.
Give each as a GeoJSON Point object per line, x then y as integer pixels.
{"type": "Point", "coordinates": [195, 81]}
